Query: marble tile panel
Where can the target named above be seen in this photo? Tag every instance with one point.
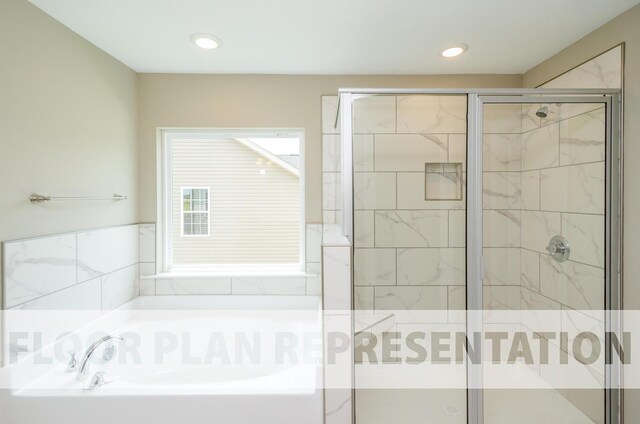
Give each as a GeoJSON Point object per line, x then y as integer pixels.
{"type": "Point", "coordinates": [374, 190]}
{"type": "Point", "coordinates": [314, 284]}
{"type": "Point", "coordinates": [570, 283]}
{"type": "Point", "coordinates": [411, 228]}
{"type": "Point", "coordinates": [363, 298]}
{"type": "Point", "coordinates": [338, 405]}
{"type": "Point", "coordinates": [603, 71]}
{"type": "Point", "coordinates": [502, 190]}
{"type": "Point", "coordinates": [557, 112]}
{"type": "Point", "coordinates": [373, 267]}
{"type": "Point", "coordinates": [541, 147]}
{"type": "Point", "coordinates": [501, 228]}
{"type": "Point", "coordinates": [582, 138]}
{"type": "Point", "coordinates": [457, 304]}
{"type": "Point", "coordinates": [106, 250]}
{"type": "Point", "coordinates": [457, 228]}
{"type": "Point", "coordinates": [195, 286]}
{"type": "Point", "coordinates": [269, 285]}
{"type": "Point", "coordinates": [586, 236]}
{"type": "Point", "coordinates": [431, 266]}
{"type": "Point", "coordinates": [458, 150]}
{"type": "Point", "coordinates": [502, 266]}
{"type": "Point", "coordinates": [331, 217]}
{"type": "Point", "coordinates": [531, 190]}
{"type": "Point", "coordinates": [529, 119]}
{"type": "Point", "coordinates": [147, 235]}
{"type": "Point", "coordinates": [575, 188]}
{"type": "Point", "coordinates": [409, 152]}
{"type": "Point", "coordinates": [313, 243]}
{"type": "Point", "coordinates": [84, 296]}
{"type": "Point", "coordinates": [374, 115]}
{"type": "Point", "coordinates": [502, 152]}
{"type": "Point", "coordinates": [411, 193]}
{"type": "Point", "coordinates": [331, 191]}
{"type": "Point", "coordinates": [501, 297]}
{"type": "Point", "coordinates": [336, 276]}
{"type": "Point", "coordinates": [502, 119]}
{"type": "Point", "coordinates": [574, 323]}
{"type": "Point", "coordinates": [411, 298]}
{"type": "Point", "coordinates": [364, 228]}
{"type": "Point", "coordinates": [147, 286]}
{"type": "Point", "coordinates": [119, 287]}
{"type": "Point", "coordinates": [432, 114]}
{"type": "Point", "coordinates": [538, 228]}
{"type": "Point", "coordinates": [533, 301]}
{"type": "Point", "coordinates": [331, 154]}
{"type": "Point", "coordinates": [363, 152]}
{"type": "Point", "coordinates": [37, 267]}
{"type": "Point", "coordinates": [530, 270]}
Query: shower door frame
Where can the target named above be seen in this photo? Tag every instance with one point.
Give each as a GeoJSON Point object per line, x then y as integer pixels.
{"type": "Point", "coordinates": [476, 99]}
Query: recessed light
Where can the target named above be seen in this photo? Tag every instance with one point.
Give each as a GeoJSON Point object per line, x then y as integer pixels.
{"type": "Point", "coordinates": [205, 41]}
{"type": "Point", "coordinates": [454, 51]}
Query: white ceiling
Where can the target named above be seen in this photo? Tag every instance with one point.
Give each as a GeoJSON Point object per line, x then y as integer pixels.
{"type": "Point", "coordinates": [333, 36]}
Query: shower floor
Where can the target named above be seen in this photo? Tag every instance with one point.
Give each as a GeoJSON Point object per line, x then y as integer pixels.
{"type": "Point", "coordinates": [449, 407]}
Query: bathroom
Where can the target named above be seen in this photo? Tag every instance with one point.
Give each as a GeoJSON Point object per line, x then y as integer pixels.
{"type": "Point", "coordinates": [246, 229]}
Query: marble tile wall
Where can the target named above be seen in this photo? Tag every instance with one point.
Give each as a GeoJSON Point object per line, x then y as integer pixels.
{"type": "Point", "coordinates": [332, 160]}
{"type": "Point", "coordinates": [563, 183]}
{"type": "Point", "coordinates": [563, 187]}
{"type": "Point", "coordinates": [409, 251]}
{"type": "Point", "coordinates": [603, 71]}
{"type": "Point", "coordinates": [147, 252]}
{"type": "Point", "coordinates": [543, 177]}
{"type": "Point", "coordinates": [294, 285]}
{"type": "Point", "coordinates": [502, 204]}
{"type": "Point", "coordinates": [105, 268]}
{"type": "Point", "coordinates": [63, 271]}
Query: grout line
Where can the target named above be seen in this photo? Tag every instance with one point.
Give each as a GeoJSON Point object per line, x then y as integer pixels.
{"type": "Point", "coordinates": [569, 260]}
{"type": "Point", "coordinates": [54, 292]}
{"type": "Point", "coordinates": [541, 125]}
{"type": "Point", "coordinates": [560, 166]}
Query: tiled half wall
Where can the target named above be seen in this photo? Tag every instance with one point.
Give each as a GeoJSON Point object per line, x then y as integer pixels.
{"type": "Point", "coordinates": [96, 269]}
{"type": "Point", "coordinates": [104, 268]}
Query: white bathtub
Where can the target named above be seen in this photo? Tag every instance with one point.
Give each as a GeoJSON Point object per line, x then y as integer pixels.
{"type": "Point", "coordinates": [199, 389]}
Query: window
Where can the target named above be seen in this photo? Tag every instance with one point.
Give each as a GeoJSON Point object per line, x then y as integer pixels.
{"type": "Point", "coordinates": [232, 200]}
{"type": "Point", "coordinates": [195, 211]}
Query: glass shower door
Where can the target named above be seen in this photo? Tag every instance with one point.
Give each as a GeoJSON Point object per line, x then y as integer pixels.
{"type": "Point", "coordinates": [545, 246]}
{"type": "Point", "coordinates": [409, 168]}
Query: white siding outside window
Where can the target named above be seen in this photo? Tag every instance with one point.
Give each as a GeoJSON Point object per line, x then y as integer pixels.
{"type": "Point", "coordinates": [195, 211]}
{"type": "Point", "coordinates": [252, 213]}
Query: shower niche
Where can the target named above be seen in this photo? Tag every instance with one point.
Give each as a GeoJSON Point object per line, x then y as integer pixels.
{"type": "Point", "coordinates": [443, 181]}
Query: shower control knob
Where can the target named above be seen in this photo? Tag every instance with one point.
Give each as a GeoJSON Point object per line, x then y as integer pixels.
{"type": "Point", "coordinates": [559, 248]}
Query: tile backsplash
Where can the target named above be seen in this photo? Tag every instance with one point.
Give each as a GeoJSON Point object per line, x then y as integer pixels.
{"type": "Point", "coordinates": [409, 171]}
{"type": "Point", "coordinates": [104, 268]}
{"type": "Point", "coordinates": [96, 269]}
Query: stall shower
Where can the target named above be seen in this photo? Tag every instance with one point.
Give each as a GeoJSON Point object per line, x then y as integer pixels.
{"type": "Point", "coordinates": [497, 200]}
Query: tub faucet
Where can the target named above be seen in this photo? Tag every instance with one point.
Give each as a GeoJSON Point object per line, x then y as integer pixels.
{"type": "Point", "coordinates": [109, 350]}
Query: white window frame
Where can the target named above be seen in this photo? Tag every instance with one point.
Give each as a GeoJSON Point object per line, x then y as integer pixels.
{"type": "Point", "coordinates": [164, 249]}
{"type": "Point", "coordinates": [182, 212]}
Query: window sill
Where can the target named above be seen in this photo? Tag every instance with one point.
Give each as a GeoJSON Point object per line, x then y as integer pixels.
{"type": "Point", "coordinates": [228, 274]}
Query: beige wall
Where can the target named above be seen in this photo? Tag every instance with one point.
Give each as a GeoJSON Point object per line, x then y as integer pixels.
{"type": "Point", "coordinates": [625, 28]}
{"type": "Point", "coordinates": [245, 101]}
{"type": "Point", "coordinates": [68, 120]}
